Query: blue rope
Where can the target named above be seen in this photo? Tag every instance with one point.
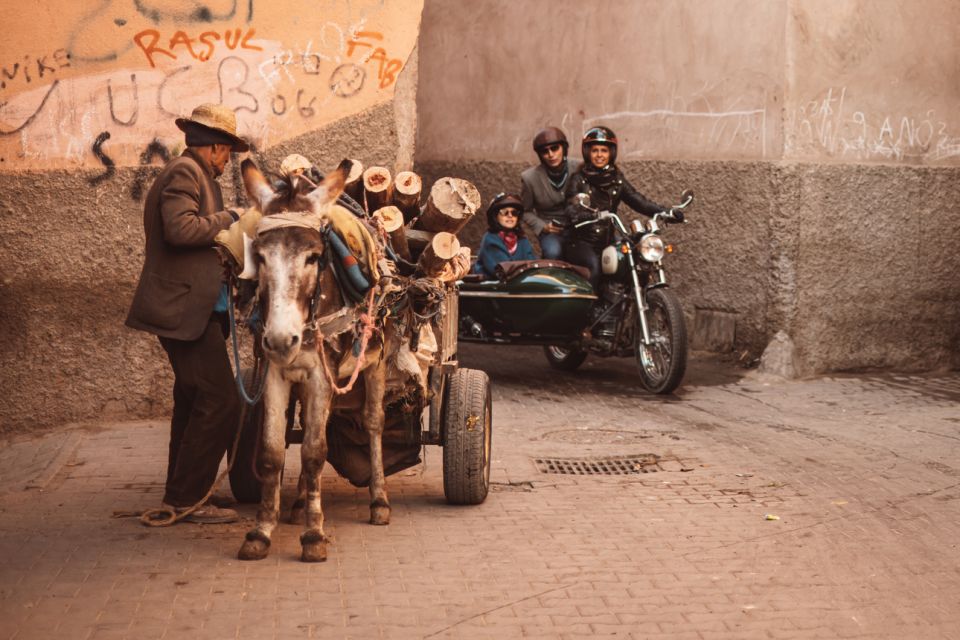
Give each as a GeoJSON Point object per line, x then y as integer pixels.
{"type": "Point", "coordinates": [236, 359]}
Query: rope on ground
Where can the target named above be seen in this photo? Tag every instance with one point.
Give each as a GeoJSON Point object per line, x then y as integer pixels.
{"type": "Point", "coordinates": [164, 516]}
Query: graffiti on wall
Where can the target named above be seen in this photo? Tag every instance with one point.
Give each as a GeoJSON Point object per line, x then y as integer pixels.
{"type": "Point", "coordinates": [122, 74]}
{"type": "Point", "coordinates": [690, 121]}
{"type": "Point", "coordinates": [33, 68]}
{"type": "Point", "coordinates": [200, 48]}
{"type": "Point", "coordinates": [829, 124]}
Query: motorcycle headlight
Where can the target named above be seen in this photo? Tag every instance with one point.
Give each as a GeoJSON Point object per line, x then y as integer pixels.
{"type": "Point", "coordinates": [651, 247]}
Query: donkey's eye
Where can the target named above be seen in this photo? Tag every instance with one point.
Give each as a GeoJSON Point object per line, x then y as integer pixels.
{"type": "Point", "coordinates": [313, 258]}
{"type": "Point", "coordinates": [258, 258]}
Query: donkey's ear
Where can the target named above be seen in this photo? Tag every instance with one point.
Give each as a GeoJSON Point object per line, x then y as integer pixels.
{"type": "Point", "coordinates": [331, 187]}
{"type": "Point", "coordinates": [258, 188]}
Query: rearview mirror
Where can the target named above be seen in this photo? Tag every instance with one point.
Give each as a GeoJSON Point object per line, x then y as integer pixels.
{"type": "Point", "coordinates": [686, 196]}
{"type": "Point", "coordinates": [582, 200]}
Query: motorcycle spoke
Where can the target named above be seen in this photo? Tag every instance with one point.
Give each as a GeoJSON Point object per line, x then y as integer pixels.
{"type": "Point", "coordinates": [658, 353]}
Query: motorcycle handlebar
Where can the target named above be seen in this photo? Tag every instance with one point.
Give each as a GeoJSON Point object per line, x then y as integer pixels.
{"type": "Point", "coordinates": [675, 213]}
{"type": "Point", "coordinates": [601, 215]}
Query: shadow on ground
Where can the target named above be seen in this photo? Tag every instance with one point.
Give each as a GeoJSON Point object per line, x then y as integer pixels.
{"type": "Point", "coordinates": [517, 366]}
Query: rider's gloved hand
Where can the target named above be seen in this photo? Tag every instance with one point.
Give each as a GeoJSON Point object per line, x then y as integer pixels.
{"type": "Point", "coordinates": [677, 215]}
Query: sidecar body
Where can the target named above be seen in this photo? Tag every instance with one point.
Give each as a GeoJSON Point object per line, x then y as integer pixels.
{"type": "Point", "coordinates": [530, 302]}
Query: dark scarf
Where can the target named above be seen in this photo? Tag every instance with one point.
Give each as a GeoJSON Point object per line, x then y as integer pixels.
{"type": "Point", "coordinates": [558, 177]}
{"type": "Point", "coordinates": [600, 178]}
{"type": "Point", "coordinates": [510, 239]}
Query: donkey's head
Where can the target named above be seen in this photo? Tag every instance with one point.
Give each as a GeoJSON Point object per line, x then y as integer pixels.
{"type": "Point", "coordinates": [291, 255]}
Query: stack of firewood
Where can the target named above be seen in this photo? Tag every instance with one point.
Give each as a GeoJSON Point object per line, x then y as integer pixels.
{"type": "Point", "coordinates": [424, 235]}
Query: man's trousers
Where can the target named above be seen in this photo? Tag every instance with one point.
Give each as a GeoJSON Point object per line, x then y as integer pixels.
{"type": "Point", "coordinates": [206, 408]}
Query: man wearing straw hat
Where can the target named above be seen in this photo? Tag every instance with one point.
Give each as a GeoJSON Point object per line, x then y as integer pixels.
{"type": "Point", "coordinates": [181, 298]}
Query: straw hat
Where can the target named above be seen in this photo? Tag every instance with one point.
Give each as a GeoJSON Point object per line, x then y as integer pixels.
{"type": "Point", "coordinates": [216, 117]}
{"type": "Point", "coordinates": [294, 162]}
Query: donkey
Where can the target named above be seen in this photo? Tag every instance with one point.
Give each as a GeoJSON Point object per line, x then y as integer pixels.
{"type": "Point", "coordinates": [297, 286]}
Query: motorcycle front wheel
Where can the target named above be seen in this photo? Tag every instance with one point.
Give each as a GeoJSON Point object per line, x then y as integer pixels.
{"type": "Point", "coordinates": [564, 358]}
{"type": "Point", "coordinates": [663, 362]}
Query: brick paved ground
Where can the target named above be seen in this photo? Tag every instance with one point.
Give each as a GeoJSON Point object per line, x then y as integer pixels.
{"type": "Point", "coordinates": [863, 472]}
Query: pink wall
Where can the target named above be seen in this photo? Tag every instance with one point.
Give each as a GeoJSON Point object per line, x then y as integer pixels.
{"type": "Point", "coordinates": [858, 81]}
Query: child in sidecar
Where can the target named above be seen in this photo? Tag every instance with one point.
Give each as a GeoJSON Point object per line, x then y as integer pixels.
{"type": "Point", "coordinates": [504, 239]}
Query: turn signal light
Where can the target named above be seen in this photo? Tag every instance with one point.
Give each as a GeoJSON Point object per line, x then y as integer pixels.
{"type": "Point", "coordinates": [624, 248]}
{"type": "Point", "coordinates": [668, 248]}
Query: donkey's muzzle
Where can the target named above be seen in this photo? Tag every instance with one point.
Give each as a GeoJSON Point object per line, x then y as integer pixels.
{"type": "Point", "coordinates": [281, 346]}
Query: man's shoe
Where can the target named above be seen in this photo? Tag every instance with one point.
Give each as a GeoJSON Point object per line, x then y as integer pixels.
{"type": "Point", "coordinates": [210, 514]}
{"type": "Point", "coordinates": [221, 501]}
{"type": "Point", "coordinates": [207, 514]}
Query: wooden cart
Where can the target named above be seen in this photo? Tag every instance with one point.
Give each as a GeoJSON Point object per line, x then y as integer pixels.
{"type": "Point", "coordinates": [457, 415]}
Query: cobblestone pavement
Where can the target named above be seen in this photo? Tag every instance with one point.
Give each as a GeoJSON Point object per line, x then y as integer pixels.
{"type": "Point", "coordinates": [862, 471]}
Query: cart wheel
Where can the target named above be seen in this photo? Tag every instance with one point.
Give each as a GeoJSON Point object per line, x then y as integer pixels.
{"type": "Point", "coordinates": [467, 426]}
{"type": "Point", "coordinates": [243, 477]}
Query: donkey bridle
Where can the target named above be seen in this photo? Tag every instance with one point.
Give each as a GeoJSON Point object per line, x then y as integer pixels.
{"type": "Point", "coordinates": [310, 328]}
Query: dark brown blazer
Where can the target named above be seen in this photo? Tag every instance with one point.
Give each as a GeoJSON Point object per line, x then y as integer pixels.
{"type": "Point", "coordinates": [181, 274]}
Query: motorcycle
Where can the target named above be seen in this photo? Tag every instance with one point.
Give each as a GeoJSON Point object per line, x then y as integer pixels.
{"type": "Point", "coordinates": [631, 313]}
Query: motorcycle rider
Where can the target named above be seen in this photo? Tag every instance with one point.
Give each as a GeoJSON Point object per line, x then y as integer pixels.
{"type": "Point", "coordinates": [543, 190]}
{"type": "Point", "coordinates": [504, 239]}
{"type": "Point", "coordinates": [602, 180]}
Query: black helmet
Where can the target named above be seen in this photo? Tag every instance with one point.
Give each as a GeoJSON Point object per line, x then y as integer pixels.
{"type": "Point", "coordinates": [599, 135]}
{"type": "Point", "coordinates": [550, 135]}
{"type": "Point", "coordinates": [500, 201]}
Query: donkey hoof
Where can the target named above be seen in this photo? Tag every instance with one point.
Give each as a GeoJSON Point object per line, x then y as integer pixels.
{"type": "Point", "coordinates": [314, 547]}
{"type": "Point", "coordinates": [314, 552]}
{"type": "Point", "coordinates": [379, 514]}
{"type": "Point", "coordinates": [255, 547]}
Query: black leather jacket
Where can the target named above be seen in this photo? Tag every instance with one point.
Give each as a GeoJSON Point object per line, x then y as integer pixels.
{"type": "Point", "coordinates": [617, 189]}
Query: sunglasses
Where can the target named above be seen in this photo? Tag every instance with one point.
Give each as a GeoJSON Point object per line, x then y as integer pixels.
{"type": "Point", "coordinates": [551, 148]}
{"type": "Point", "coordinates": [509, 212]}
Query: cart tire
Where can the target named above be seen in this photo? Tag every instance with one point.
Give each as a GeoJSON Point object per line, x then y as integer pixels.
{"type": "Point", "coordinates": [243, 477]}
{"type": "Point", "coordinates": [467, 434]}
{"type": "Point", "coordinates": [564, 358]}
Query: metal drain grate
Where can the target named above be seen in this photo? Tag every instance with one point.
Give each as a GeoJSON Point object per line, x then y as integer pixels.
{"type": "Point", "coordinates": [618, 466]}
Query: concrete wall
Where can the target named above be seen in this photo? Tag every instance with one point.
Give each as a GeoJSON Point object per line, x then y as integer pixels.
{"type": "Point", "coordinates": [85, 121]}
{"type": "Point", "coordinates": [821, 136]}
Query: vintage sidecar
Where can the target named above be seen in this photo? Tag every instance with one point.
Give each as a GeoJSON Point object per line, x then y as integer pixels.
{"type": "Point", "coordinates": [544, 302]}
{"type": "Point", "coordinates": [632, 311]}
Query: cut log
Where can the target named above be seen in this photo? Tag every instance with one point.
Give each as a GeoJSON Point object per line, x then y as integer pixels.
{"type": "Point", "coordinates": [438, 253]}
{"type": "Point", "coordinates": [457, 267]}
{"type": "Point", "coordinates": [353, 187]}
{"type": "Point", "coordinates": [378, 187]}
{"type": "Point", "coordinates": [451, 204]}
{"type": "Point", "coordinates": [392, 219]}
{"type": "Point", "coordinates": [417, 240]}
{"type": "Point", "coordinates": [406, 194]}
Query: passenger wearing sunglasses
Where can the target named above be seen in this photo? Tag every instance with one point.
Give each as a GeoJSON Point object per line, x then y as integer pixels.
{"type": "Point", "coordinates": [504, 239]}
{"type": "Point", "coordinates": [543, 187]}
